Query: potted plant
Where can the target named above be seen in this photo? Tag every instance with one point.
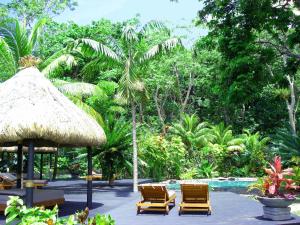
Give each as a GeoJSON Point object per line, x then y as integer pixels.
{"type": "Point", "coordinates": [277, 191]}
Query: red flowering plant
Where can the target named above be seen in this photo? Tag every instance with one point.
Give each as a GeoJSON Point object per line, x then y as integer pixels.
{"type": "Point", "coordinates": [278, 183]}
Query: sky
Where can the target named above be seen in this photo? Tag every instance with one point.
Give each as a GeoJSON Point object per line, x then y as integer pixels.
{"type": "Point", "coordinates": [176, 14]}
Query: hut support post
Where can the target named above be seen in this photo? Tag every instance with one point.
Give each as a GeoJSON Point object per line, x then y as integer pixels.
{"type": "Point", "coordinates": [55, 165]}
{"type": "Point", "coordinates": [19, 166]}
{"type": "Point", "coordinates": [29, 182]}
{"type": "Point", "coordinates": [89, 179]}
{"type": "Point", "coordinates": [50, 166]}
{"type": "Point", "coordinates": [41, 167]}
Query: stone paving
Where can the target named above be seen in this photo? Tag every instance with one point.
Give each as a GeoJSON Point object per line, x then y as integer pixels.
{"type": "Point", "coordinates": [119, 201]}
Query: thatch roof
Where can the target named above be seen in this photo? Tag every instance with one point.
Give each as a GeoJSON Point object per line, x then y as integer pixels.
{"type": "Point", "coordinates": [32, 108]}
{"type": "Point", "coordinates": [25, 149]}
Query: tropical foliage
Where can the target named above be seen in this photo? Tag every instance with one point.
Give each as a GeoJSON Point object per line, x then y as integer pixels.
{"type": "Point", "coordinates": [223, 106]}
{"type": "Point", "coordinates": [17, 46]}
{"type": "Point", "coordinates": [277, 183]}
{"type": "Point", "coordinates": [114, 156]}
{"type": "Point", "coordinates": [17, 213]}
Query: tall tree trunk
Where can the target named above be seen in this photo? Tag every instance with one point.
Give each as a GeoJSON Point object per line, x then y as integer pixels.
{"type": "Point", "coordinates": [292, 105]}
{"type": "Point", "coordinates": [135, 148]}
{"type": "Point", "coordinates": [178, 84]}
{"type": "Point", "coordinates": [111, 179]}
{"type": "Point", "coordinates": [158, 108]}
{"type": "Point", "coordinates": [183, 102]}
{"type": "Point", "coordinates": [188, 92]}
{"type": "Point", "coordinates": [141, 113]}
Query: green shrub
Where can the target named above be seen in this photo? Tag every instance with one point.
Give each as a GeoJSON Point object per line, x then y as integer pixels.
{"type": "Point", "coordinates": [189, 174]}
{"type": "Point", "coordinates": [162, 158]}
{"type": "Point", "coordinates": [17, 213]}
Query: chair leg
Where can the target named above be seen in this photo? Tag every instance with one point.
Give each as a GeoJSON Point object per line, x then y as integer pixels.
{"type": "Point", "coordinates": [209, 211]}
{"type": "Point", "coordinates": [179, 211]}
{"type": "Point", "coordinates": [138, 211]}
{"type": "Point", "coordinates": [167, 209]}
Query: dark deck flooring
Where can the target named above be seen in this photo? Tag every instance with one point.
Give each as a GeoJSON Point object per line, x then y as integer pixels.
{"type": "Point", "coordinates": [119, 201]}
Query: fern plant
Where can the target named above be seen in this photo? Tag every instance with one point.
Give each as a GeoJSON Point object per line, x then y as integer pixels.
{"type": "Point", "coordinates": [286, 144]}
{"type": "Point", "coordinates": [193, 133]}
{"type": "Point", "coordinates": [114, 154]}
{"type": "Point", "coordinates": [225, 147]}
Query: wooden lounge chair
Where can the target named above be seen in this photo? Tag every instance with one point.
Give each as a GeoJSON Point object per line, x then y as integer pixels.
{"type": "Point", "coordinates": [155, 197]}
{"type": "Point", "coordinates": [8, 180]}
{"type": "Point", "coordinates": [41, 197]}
{"type": "Point", "coordinates": [95, 176]}
{"type": "Point", "coordinates": [195, 197]}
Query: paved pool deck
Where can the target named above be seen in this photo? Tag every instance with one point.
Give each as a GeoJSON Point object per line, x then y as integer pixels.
{"type": "Point", "coordinates": [119, 201]}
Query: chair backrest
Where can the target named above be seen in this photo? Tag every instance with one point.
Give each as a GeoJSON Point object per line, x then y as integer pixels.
{"type": "Point", "coordinates": [197, 193]}
{"type": "Point", "coordinates": [7, 177]}
{"type": "Point", "coordinates": [154, 193]}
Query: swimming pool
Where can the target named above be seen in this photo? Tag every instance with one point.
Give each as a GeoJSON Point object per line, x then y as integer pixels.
{"type": "Point", "coordinates": [218, 185]}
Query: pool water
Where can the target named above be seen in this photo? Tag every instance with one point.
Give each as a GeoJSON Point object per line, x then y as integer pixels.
{"type": "Point", "coordinates": [216, 184]}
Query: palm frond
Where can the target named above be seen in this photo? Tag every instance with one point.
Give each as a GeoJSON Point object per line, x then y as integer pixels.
{"type": "Point", "coordinates": [165, 46]}
{"type": "Point", "coordinates": [138, 86]}
{"type": "Point", "coordinates": [287, 144]}
{"type": "Point", "coordinates": [50, 59]}
{"type": "Point", "coordinates": [154, 25]}
{"type": "Point", "coordinates": [129, 33]}
{"type": "Point", "coordinates": [35, 32]}
{"type": "Point", "coordinates": [234, 148]}
{"type": "Point", "coordinates": [236, 141]}
{"type": "Point", "coordinates": [88, 109]}
{"type": "Point", "coordinates": [96, 67]}
{"type": "Point", "coordinates": [7, 63]}
{"type": "Point", "coordinates": [120, 99]}
{"type": "Point", "coordinates": [58, 82]}
{"type": "Point", "coordinates": [116, 109]}
{"type": "Point", "coordinates": [81, 89]}
{"type": "Point", "coordinates": [22, 41]}
{"type": "Point", "coordinates": [115, 46]}
{"type": "Point", "coordinates": [91, 46]}
{"type": "Point", "coordinates": [66, 59]}
{"type": "Point", "coordinates": [8, 34]}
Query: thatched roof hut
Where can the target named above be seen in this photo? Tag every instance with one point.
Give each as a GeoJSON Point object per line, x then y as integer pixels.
{"type": "Point", "coordinates": [14, 149]}
{"type": "Point", "coordinates": [32, 108]}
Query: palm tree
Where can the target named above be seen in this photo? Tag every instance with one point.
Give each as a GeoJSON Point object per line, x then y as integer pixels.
{"type": "Point", "coordinates": [223, 138]}
{"type": "Point", "coordinates": [226, 146]}
{"type": "Point", "coordinates": [132, 55]}
{"type": "Point", "coordinates": [255, 151]}
{"type": "Point", "coordinates": [114, 155]}
{"type": "Point", "coordinates": [133, 58]}
{"type": "Point", "coordinates": [192, 132]}
{"type": "Point", "coordinates": [17, 45]}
